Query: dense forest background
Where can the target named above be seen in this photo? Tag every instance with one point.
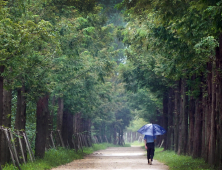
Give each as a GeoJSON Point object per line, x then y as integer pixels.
{"type": "Point", "coordinates": [93, 66]}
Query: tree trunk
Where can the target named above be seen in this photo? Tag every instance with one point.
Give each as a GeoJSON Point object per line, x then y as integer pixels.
{"type": "Point", "coordinates": [204, 127]}
{"type": "Point", "coordinates": [212, 151]}
{"type": "Point", "coordinates": [121, 137]}
{"type": "Point", "coordinates": [20, 120]}
{"type": "Point", "coordinates": [220, 106]}
{"type": "Point", "coordinates": [41, 126]}
{"type": "Point", "coordinates": [185, 120]}
{"type": "Point", "coordinates": [59, 120]}
{"type": "Point", "coordinates": [218, 155]}
{"type": "Point", "coordinates": [218, 102]}
{"type": "Point", "coordinates": [6, 117]}
{"type": "Point", "coordinates": [70, 130]}
{"type": "Point", "coordinates": [191, 124]}
{"type": "Point", "coordinates": [114, 134]}
{"type": "Point", "coordinates": [159, 139]}
{"type": "Point", "coordinates": [75, 129]}
{"type": "Point", "coordinates": [176, 116]}
{"type": "Point", "coordinates": [209, 109]}
{"type": "Point", "coordinates": [198, 127]}
{"type": "Point", "coordinates": [183, 135]}
{"type": "Point", "coordinates": [1, 114]}
{"type": "Point", "coordinates": [60, 114]}
{"type": "Point", "coordinates": [165, 118]}
{"type": "Point", "coordinates": [50, 126]}
{"type": "Point", "coordinates": [171, 109]}
{"type": "Point", "coordinates": [65, 127]}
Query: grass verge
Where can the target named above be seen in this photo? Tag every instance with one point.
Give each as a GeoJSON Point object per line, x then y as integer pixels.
{"type": "Point", "coordinates": [136, 143]}
{"type": "Point", "coordinates": [60, 156]}
{"type": "Point", "coordinates": [180, 162]}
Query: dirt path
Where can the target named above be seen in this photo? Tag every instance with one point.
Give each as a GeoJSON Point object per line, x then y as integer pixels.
{"type": "Point", "coordinates": [118, 158]}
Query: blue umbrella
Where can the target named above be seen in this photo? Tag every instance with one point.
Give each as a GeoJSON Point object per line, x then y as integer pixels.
{"type": "Point", "coordinates": [152, 130]}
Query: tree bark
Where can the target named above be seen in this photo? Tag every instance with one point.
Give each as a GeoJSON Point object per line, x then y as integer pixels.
{"type": "Point", "coordinates": [75, 129]}
{"type": "Point", "coordinates": [70, 129]}
{"type": "Point", "coordinates": [60, 114]}
{"type": "Point", "coordinates": [198, 127]}
{"type": "Point", "coordinates": [114, 134]}
{"type": "Point", "coordinates": [204, 127]}
{"type": "Point", "coordinates": [191, 124]}
{"type": "Point", "coordinates": [220, 105]}
{"type": "Point", "coordinates": [1, 112]}
{"type": "Point", "coordinates": [209, 109]}
{"type": "Point", "coordinates": [50, 126]}
{"type": "Point", "coordinates": [171, 109]}
{"type": "Point", "coordinates": [176, 116]}
{"type": "Point", "coordinates": [20, 120]}
{"type": "Point", "coordinates": [59, 119]}
{"type": "Point", "coordinates": [65, 127]}
{"type": "Point", "coordinates": [183, 135]}
{"type": "Point", "coordinates": [165, 119]}
{"type": "Point", "coordinates": [41, 126]}
{"type": "Point", "coordinates": [212, 151]}
{"type": "Point", "coordinates": [6, 117]}
{"type": "Point", "coordinates": [159, 139]}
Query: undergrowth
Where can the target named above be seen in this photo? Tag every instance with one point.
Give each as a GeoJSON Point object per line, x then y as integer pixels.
{"type": "Point", "coordinates": [180, 162]}
{"type": "Point", "coordinates": [60, 156]}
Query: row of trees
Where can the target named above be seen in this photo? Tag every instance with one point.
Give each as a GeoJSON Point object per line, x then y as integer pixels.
{"type": "Point", "coordinates": [174, 52]}
{"type": "Point", "coordinates": [58, 71]}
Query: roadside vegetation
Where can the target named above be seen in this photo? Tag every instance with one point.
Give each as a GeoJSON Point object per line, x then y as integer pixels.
{"type": "Point", "coordinates": [60, 156]}
{"type": "Point", "coordinates": [181, 162]}
{"type": "Point", "coordinates": [175, 161]}
{"type": "Point", "coordinates": [136, 143]}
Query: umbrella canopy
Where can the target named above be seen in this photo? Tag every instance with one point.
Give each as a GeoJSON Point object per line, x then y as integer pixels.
{"type": "Point", "coordinates": [152, 130]}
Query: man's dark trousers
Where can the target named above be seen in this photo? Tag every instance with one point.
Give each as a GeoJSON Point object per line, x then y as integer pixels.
{"type": "Point", "coordinates": [150, 150]}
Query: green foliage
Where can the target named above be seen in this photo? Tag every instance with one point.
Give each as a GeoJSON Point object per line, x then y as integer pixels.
{"type": "Point", "coordinates": [114, 112]}
{"type": "Point", "coordinates": [81, 5]}
{"type": "Point", "coordinates": [136, 143]}
{"type": "Point", "coordinates": [60, 156]}
{"type": "Point", "coordinates": [174, 161]}
{"type": "Point", "coordinates": [52, 158]}
{"type": "Point", "coordinates": [66, 49]}
{"type": "Point", "coordinates": [170, 34]}
{"type": "Point", "coordinates": [136, 124]}
{"type": "Point", "coordinates": [167, 40]}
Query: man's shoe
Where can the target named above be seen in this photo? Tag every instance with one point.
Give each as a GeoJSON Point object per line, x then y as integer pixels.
{"type": "Point", "coordinates": [150, 162]}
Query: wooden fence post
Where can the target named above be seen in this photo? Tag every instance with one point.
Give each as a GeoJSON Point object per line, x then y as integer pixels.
{"type": "Point", "coordinates": [28, 147]}
{"type": "Point", "coordinates": [20, 144]}
{"type": "Point", "coordinates": [106, 139]}
{"type": "Point", "coordinates": [100, 139]}
{"type": "Point", "coordinates": [60, 137]}
{"type": "Point", "coordinates": [79, 142]}
{"type": "Point", "coordinates": [13, 144]}
{"type": "Point", "coordinates": [15, 162]}
{"type": "Point", "coordinates": [74, 144]}
{"type": "Point", "coordinates": [51, 137]}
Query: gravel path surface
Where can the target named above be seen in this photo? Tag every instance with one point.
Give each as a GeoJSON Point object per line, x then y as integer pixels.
{"type": "Point", "coordinates": [118, 158]}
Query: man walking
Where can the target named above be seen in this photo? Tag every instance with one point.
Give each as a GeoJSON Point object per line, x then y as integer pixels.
{"type": "Point", "coordinates": [150, 147]}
